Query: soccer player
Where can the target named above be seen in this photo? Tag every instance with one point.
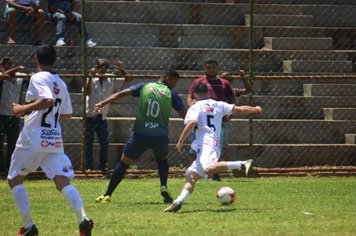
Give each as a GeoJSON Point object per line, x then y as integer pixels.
{"type": "Point", "coordinates": [150, 129]}
{"type": "Point", "coordinates": [40, 142]}
{"type": "Point", "coordinates": [206, 114]}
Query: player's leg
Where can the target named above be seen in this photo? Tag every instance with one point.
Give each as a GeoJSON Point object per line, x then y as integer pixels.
{"type": "Point", "coordinates": [11, 24]}
{"type": "Point", "coordinates": [89, 140]}
{"type": "Point", "coordinates": [103, 135]}
{"type": "Point", "coordinates": [229, 165]}
{"type": "Point", "coordinates": [131, 153]}
{"type": "Point", "coordinates": [23, 162]}
{"type": "Point", "coordinates": [58, 167]}
{"type": "Point", "coordinates": [76, 203]}
{"type": "Point", "coordinates": [191, 179]}
{"type": "Point", "coordinates": [159, 147]}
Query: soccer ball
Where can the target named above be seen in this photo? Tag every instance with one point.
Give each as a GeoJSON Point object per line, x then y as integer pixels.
{"type": "Point", "coordinates": [226, 195]}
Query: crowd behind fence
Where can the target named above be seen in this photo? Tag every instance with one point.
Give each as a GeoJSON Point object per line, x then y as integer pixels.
{"type": "Point", "coordinates": [298, 58]}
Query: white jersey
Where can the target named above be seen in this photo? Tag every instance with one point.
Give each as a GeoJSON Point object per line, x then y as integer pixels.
{"type": "Point", "coordinates": [209, 114]}
{"type": "Point", "coordinates": [41, 131]}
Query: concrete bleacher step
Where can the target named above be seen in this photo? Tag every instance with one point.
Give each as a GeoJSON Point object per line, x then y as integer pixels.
{"type": "Point", "coordinates": [329, 89]}
{"type": "Point", "coordinates": [290, 131]}
{"type": "Point", "coordinates": [183, 36]}
{"type": "Point", "coordinates": [274, 107]}
{"type": "Point", "coordinates": [267, 155]}
{"type": "Point", "coordinates": [340, 113]}
{"type": "Point", "coordinates": [324, 66]}
{"type": "Point", "coordinates": [350, 138]}
{"type": "Point", "coordinates": [179, 58]}
{"type": "Point", "coordinates": [301, 2]}
{"type": "Point", "coordinates": [280, 20]}
{"type": "Point", "coordinates": [298, 43]}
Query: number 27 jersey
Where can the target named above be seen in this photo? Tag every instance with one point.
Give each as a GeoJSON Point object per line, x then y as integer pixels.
{"type": "Point", "coordinates": [41, 131]}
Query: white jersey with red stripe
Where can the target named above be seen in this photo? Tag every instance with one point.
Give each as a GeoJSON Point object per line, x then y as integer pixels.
{"type": "Point", "coordinates": [41, 131]}
{"type": "Point", "coordinates": [209, 114]}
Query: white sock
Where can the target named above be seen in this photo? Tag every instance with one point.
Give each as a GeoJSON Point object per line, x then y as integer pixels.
{"type": "Point", "coordinates": [22, 202]}
{"type": "Point", "coordinates": [232, 165]}
{"type": "Point", "coordinates": [75, 201]}
{"type": "Point", "coordinates": [183, 195]}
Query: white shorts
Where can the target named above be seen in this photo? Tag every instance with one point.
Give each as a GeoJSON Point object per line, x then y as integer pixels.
{"type": "Point", "coordinates": [206, 156]}
{"type": "Point", "coordinates": [25, 161]}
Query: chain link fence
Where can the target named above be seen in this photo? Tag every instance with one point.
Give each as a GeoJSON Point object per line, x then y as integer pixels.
{"type": "Point", "coordinates": [299, 57]}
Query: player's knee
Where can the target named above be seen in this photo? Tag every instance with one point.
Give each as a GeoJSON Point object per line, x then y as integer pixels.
{"type": "Point", "coordinates": [210, 170]}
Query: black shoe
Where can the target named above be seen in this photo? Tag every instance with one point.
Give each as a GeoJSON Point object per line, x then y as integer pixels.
{"type": "Point", "coordinates": [85, 227]}
{"type": "Point", "coordinates": [33, 231]}
{"type": "Point", "coordinates": [167, 198]}
{"type": "Point", "coordinates": [215, 177]}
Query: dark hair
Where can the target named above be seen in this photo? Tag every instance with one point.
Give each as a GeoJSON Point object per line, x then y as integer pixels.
{"type": "Point", "coordinates": [6, 61]}
{"type": "Point", "coordinates": [209, 62]}
{"type": "Point", "coordinates": [46, 55]}
{"type": "Point", "coordinates": [171, 73]}
{"type": "Point", "coordinates": [201, 88]}
{"type": "Point", "coordinates": [102, 63]}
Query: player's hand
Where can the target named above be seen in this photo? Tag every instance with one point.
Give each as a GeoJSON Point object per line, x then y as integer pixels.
{"type": "Point", "coordinates": [18, 109]}
{"type": "Point", "coordinates": [20, 67]}
{"type": "Point", "coordinates": [29, 11]}
{"type": "Point", "coordinates": [227, 118]}
{"type": "Point", "coordinates": [180, 147]}
{"type": "Point", "coordinates": [258, 110]}
{"type": "Point", "coordinates": [98, 107]}
{"type": "Point", "coordinates": [71, 18]}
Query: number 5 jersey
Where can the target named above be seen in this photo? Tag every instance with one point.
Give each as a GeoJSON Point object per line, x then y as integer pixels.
{"type": "Point", "coordinates": [41, 131]}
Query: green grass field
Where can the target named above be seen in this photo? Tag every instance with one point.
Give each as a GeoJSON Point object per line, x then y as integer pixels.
{"type": "Point", "coordinates": [264, 206]}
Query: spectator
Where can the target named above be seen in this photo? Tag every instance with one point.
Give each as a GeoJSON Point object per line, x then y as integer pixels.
{"type": "Point", "coordinates": [98, 88]}
{"type": "Point", "coordinates": [62, 12]}
{"type": "Point", "coordinates": [24, 8]}
{"type": "Point", "coordinates": [219, 90]}
{"type": "Point", "coordinates": [9, 124]}
{"type": "Point", "coordinates": [238, 91]}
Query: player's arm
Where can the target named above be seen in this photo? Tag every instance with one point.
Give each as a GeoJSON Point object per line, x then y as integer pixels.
{"type": "Point", "coordinates": [189, 127]}
{"type": "Point", "coordinates": [65, 116]}
{"type": "Point", "coordinates": [39, 104]}
{"type": "Point", "coordinates": [12, 71]}
{"type": "Point", "coordinates": [246, 110]}
{"type": "Point", "coordinates": [112, 98]}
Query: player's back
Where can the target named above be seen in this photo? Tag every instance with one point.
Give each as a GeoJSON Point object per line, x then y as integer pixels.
{"type": "Point", "coordinates": [42, 130]}
{"type": "Point", "coordinates": [210, 115]}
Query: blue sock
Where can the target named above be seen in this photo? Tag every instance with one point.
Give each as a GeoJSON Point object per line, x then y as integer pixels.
{"type": "Point", "coordinates": [117, 176]}
{"type": "Point", "coordinates": [163, 171]}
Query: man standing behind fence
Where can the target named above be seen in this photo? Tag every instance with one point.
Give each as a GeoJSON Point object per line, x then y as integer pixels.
{"type": "Point", "coordinates": [219, 90]}
{"type": "Point", "coordinates": [150, 130]}
{"type": "Point", "coordinates": [98, 88]}
{"type": "Point", "coordinates": [9, 124]}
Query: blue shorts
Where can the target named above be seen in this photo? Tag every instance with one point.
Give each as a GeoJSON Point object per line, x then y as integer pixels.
{"type": "Point", "coordinates": [139, 143]}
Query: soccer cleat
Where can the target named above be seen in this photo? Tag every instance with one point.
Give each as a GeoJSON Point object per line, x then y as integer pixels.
{"type": "Point", "coordinates": [60, 42]}
{"type": "Point", "coordinates": [247, 166]}
{"type": "Point", "coordinates": [167, 198]}
{"type": "Point", "coordinates": [103, 199]}
{"type": "Point", "coordinates": [174, 207]}
{"type": "Point", "coordinates": [33, 231]}
{"type": "Point", "coordinates": [85, 227]}
{"type": "Point", "coordinates": [91, 43]}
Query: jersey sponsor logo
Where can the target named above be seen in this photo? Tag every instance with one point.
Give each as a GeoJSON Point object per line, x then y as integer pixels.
{"type": "Point", "coordinates": [162, 92]}
{"type": "Point", "coordinates": [151, 125]}
{"type": "Point", "coordinates": [67, 168]}
{"type": "Point", "coordinates": [56, 90]}
{"type": "Point", "coordinates": [44, 143]}
{"type": "Point", "coordinates": [208, 108]}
